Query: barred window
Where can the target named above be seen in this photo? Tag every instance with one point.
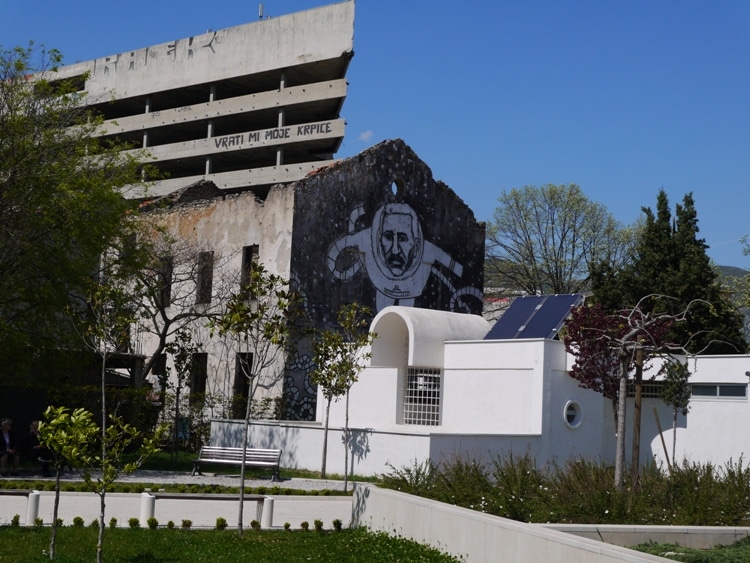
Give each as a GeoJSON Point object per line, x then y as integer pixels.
{"type": "Point", "coordinates": [649, 389]}
{"type": "Point", "coordinates": [422, 396]}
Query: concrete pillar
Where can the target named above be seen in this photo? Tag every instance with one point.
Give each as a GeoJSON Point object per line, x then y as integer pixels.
{"type": "Point", "coordinates": [282, 122]}
{"type": "Point", "coordinates": [32, 508]}
{"type": "Point", "coordinates": [148, 506]}
{"type": "Point", "coordinates": [266, 513]}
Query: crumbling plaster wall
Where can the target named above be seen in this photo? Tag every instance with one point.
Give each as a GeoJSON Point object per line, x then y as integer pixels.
{"type": "Point", "coordinates": [225, 225]}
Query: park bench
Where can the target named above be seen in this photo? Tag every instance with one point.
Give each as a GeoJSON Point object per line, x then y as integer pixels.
{"type": "Point", "coordinates": [254, 457]}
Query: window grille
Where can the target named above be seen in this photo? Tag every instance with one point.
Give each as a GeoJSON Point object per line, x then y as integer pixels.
{"type": "Point", "coordinates": [422, 396]}
{"type": "Point", "coordinates": [649, 389]}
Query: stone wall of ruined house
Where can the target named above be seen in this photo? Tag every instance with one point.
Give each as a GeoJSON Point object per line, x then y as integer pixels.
{"type": "Point", "coordinates": [226, 225]}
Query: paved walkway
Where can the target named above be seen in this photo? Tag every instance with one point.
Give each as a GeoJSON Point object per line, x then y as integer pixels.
{"type": "Point", "coordinates": [203, 513]}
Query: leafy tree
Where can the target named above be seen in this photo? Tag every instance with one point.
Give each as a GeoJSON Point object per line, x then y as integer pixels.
{"type": "Point", "coordinates": [261, 317]}
{"type": "Point", "coordinates": [68, 436]}
{"type": "Point", "coordinates": [542, 240]}
{"type": "Point", "coordinates": [339, 356]}
{"type": "Point", "coordinates": [630, 335]}
{"type": "Point", "coordinates": [671, 260]}
{"type": "Point", "coordinates": [676, 394]}
{"type": "Point", "coordinates": [117, 438]}
{"type": "Point", "coordinates": [182, 349]}
{"type": "Point", "coordinates": [60, 196]}
{"type": "Point", "coordinates": [72, 437]}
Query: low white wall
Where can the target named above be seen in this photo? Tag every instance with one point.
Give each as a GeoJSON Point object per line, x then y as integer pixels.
{"type": "Point", "coordinates": [370, 452]}
{"type": "Point", "coordinates": [476, 536]}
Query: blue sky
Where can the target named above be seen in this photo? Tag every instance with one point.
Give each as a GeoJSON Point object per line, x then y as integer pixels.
{"type": "Point", "coordinates": [620, 97]}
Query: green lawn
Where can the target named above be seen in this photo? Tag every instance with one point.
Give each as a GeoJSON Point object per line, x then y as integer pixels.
{"type": "Point", "coordinates": [736, 552]}
{"type": "Point", "coordinates": [163, 545]}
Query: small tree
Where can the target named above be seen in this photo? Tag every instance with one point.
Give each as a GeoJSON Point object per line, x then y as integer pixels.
{"type": "Point", "coordinates": [117, 438]}
{"type": "Point", "coordinates": [629, 335]}
{"type": "Point", "coordinates": [339, 356]}
{"type": "Point", "coordinates": [182, 350]}
{"type": "Point", "coordinates": [261, 318]}
{"type": "Point", "coordinates": [69, 436]}
{"type": "Point", "coordinates": [676, 394]}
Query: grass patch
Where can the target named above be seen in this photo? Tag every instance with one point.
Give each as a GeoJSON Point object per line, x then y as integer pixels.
{"type": "Point", "coordinates": [738, 551]}
{"type": "Point", "coordinates": [163, 545]}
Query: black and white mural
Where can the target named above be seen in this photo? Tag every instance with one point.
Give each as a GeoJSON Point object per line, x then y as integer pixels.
{"type": "Point", "coordinates": [377, 229]}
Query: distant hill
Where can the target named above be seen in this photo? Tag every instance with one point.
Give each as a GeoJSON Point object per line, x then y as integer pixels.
{"type": "Point", "coordinates": [732, 271]}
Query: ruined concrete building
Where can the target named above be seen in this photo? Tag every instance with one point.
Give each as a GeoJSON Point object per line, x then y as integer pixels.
{"type": "Point", "coordinates": [246, 122]}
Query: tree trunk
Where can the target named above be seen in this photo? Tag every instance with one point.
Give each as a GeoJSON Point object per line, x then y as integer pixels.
{"type": "Point", "coordinates": [674, 435]}
{"type": "Point", "coordinates": [325, 441]}
{"type": "Point", "coordinates": [637, 414]}
{"type": "Point", "coordinates": [100, 541]}
{"type": "Point", "coordinates": [346, 444]}
{"type": "Point", "coordinates": [621, 407]}
{"type": "Point", "coordinates": [53, 537]}
{"type": "Point", "coordinates": [175, 438]}
{"type": "Point", "coordinates": [244, 460]}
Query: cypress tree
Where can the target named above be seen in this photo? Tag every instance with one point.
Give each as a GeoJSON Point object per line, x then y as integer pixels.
{"type": "Point", "coordinates": [671, 260]}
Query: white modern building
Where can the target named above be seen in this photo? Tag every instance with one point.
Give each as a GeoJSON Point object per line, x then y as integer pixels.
{"type": "Point", "coordinates": [436, 388]}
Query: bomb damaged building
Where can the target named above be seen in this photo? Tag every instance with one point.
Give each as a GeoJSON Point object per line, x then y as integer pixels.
{"type": "Point", "coordinates": [245, 123]}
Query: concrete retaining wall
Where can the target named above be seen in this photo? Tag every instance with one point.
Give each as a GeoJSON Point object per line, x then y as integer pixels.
{"type": "Point", "coordinates": [698, 537]}
{"type": "Point", "coordinates": [476, 536]}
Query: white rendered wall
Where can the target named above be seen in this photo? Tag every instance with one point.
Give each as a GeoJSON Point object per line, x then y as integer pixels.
{"type": "Point", "coordinates": [493, 387]}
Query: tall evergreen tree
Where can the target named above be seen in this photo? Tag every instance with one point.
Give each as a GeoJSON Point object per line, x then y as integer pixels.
{"type": "Point", "coordinates": [671, 260]}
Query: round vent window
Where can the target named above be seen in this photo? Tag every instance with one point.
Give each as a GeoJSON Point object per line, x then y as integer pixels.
{"type": "Point", "coordinates": [573, 414]}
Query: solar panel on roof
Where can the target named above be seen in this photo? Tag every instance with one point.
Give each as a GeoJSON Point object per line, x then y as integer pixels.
{"type": "Point", "coordinates": [515, 317]}
{"type": "Point", "coordinates": [534, 316]}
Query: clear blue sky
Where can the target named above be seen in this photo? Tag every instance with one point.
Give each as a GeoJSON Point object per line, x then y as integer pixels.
{"type": "Point", "coordinates": [622, 97]}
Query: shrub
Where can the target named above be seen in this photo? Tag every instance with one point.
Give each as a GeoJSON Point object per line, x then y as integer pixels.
{"type": "Point", "coordinates": [153, 523]}
{"type": "Point", "coordinates": [255, 525]}
{"type": "Point", "coordinates": [187, 524]}
{"type": "Point", "coordinates": [318, 524]}
{"type": "Point", "coordinates": [134, 523]}
{"type": "Point", "coordinates": [113, 522]}
{"type": "Point", "coordinates": [94, 523]}
{"type": "Point", "coordinates": [287, 526]}
{"type": "Point", "coordinates": [221, 523]}
{"type": "Point", "coordinates": [305, 525]}
{"type": "Point", "coordinates": [16, 521]}
{"type": "Point", "coordinates": [337, 525]}
{"type": "Point", "coordinates": [520, 491]}
{"type": "Point", "coordinates": [59, 522]}
{"type": "Point", "coordinates": [419, 479]}
{"type": "Point", "coordinates": [78, 522]}
{"type": "Point", "coordinates": [170, 525]}
{"type": "Point", "coordinates": [38, 522]}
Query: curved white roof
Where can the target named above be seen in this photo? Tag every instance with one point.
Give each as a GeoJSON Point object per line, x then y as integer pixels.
{"type": "Point", "coordinates": [416, 337]}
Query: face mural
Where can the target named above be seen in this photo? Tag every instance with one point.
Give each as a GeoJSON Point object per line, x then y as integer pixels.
{"type": "Point", "coordinates": [397, 259]}
{"type": "Point", "coordinates": [399, 239]}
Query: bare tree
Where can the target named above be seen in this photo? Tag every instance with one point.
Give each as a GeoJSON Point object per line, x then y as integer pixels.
{"type": "Point", "coordinates": [543, 240]}
{"type": "Point", "coordinates": [627, 335]}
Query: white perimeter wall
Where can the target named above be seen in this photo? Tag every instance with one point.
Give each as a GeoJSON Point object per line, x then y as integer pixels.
{"type": "Point", "coordinates": [474, 536]}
